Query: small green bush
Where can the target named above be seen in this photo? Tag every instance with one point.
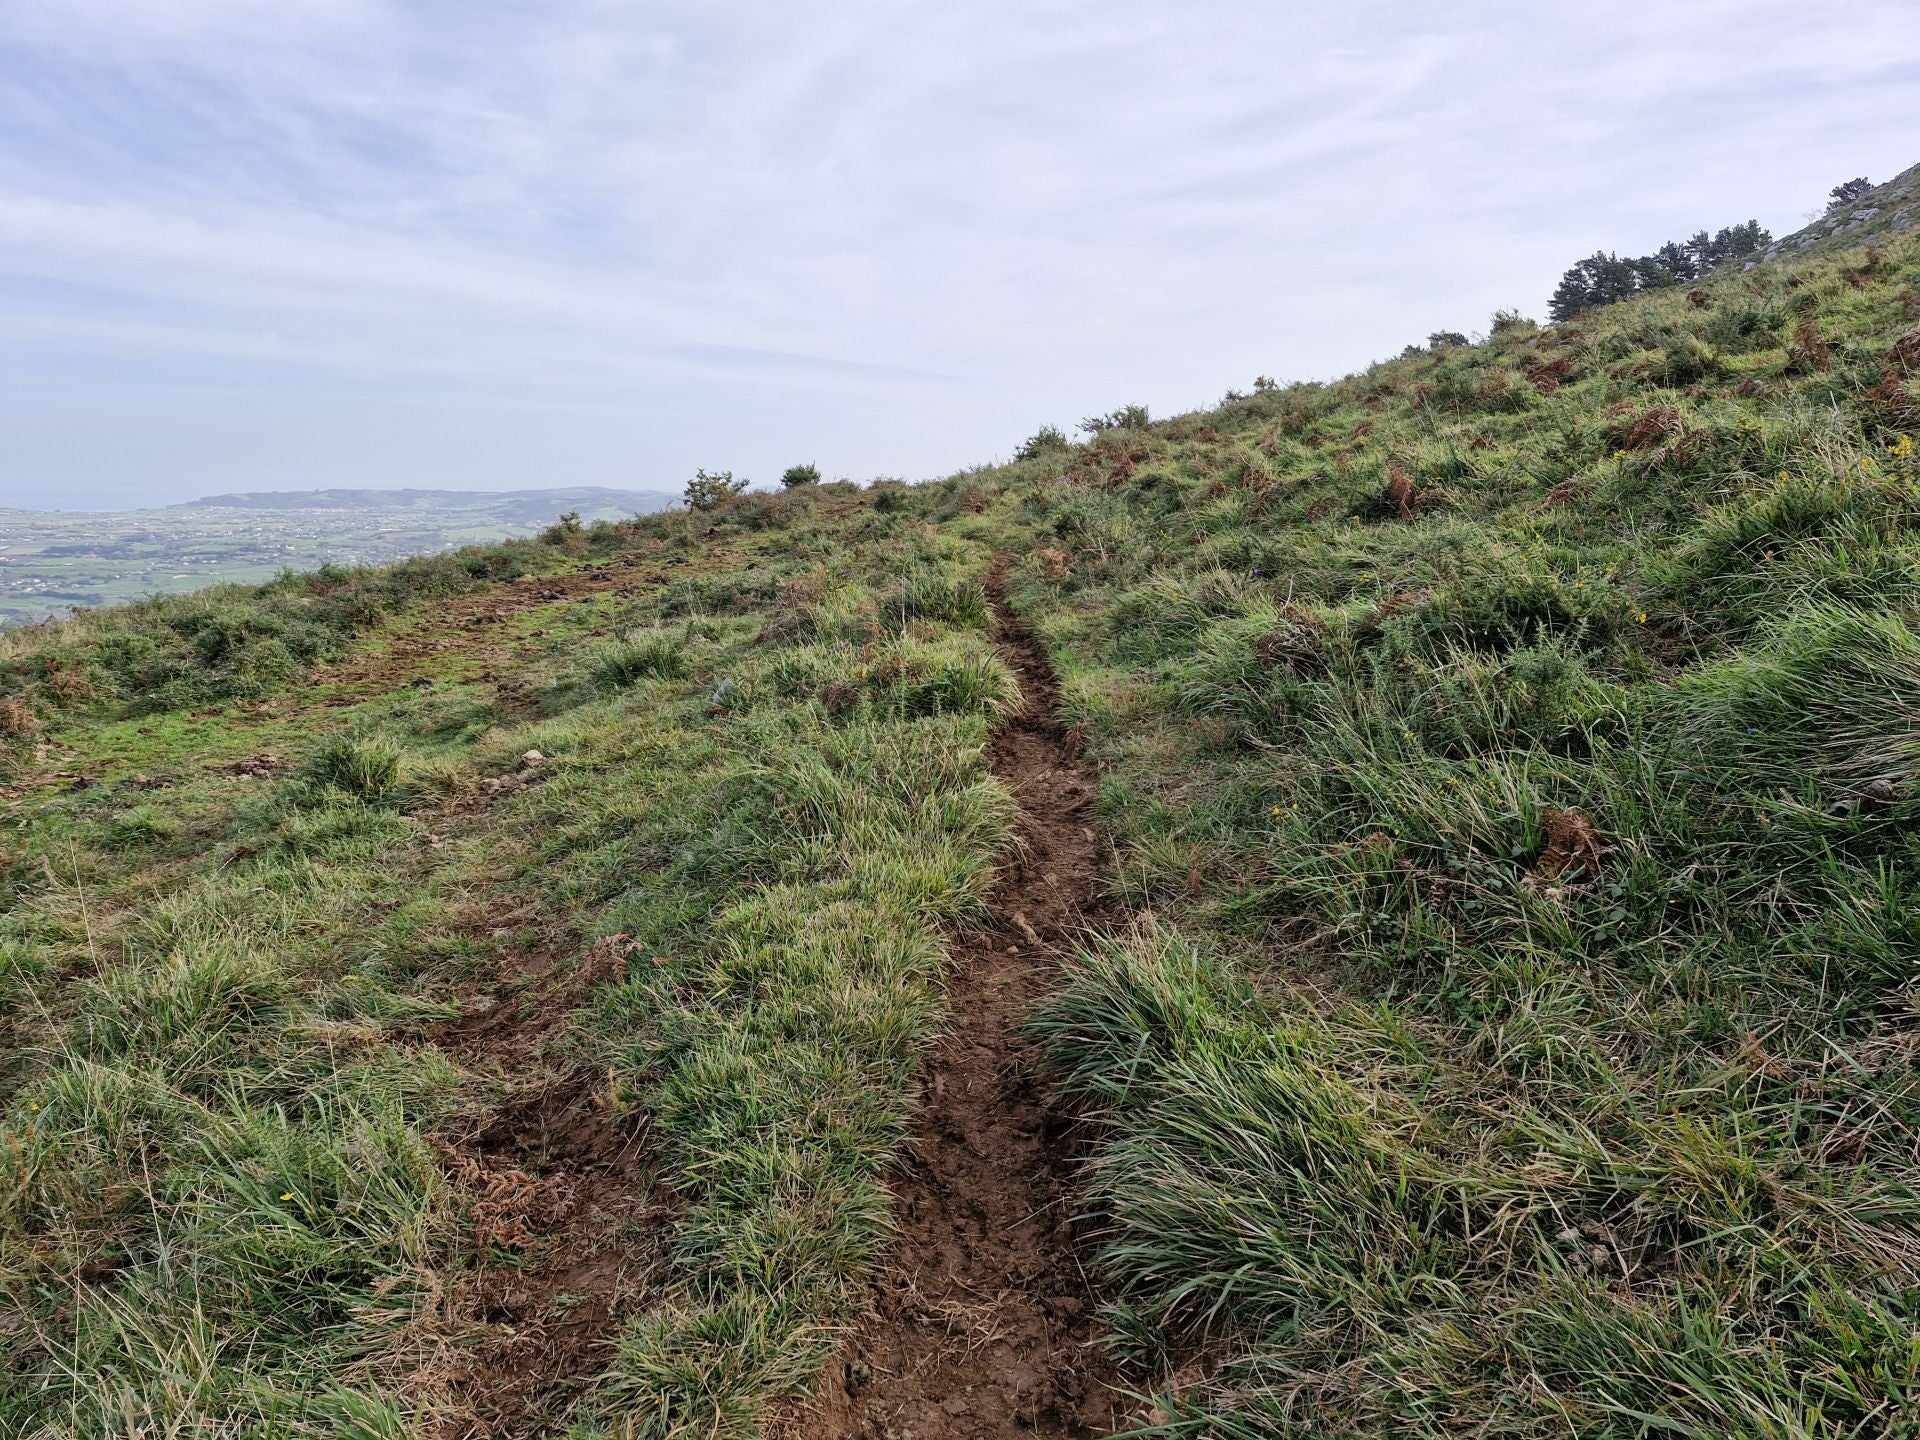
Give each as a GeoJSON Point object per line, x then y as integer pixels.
{"type": "Point", "coordinates": [1047, 440]}
{"type": "Point", "coordinates": [1127, 417]}
{"type": "Point", "coordinates": [709, 491]}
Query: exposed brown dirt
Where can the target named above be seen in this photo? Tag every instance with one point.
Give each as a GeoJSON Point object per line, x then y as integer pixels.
{"type": "Point", "coordinates": [565, 1213]}
{"type": "Point", "coordinates": [983, 1326]}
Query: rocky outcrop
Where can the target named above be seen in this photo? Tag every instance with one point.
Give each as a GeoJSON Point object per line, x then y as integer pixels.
{"type": "Point", "coordinates": [1884, 210]}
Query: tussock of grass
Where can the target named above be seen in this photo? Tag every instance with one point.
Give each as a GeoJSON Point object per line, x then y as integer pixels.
{"type": "Point", "coordinates": [639, 656]}
{"type": "Point", "coordinates": [364, 768]}
{"type": "Point", "coordinates": [1425, 1107]}
{"type": "Point", "coordinates": [219, 1212]}
{"type": "Point", "coordinates": [1514, 742]}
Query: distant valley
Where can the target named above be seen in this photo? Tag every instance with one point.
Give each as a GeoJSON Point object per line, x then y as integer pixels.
{"type": "Point", "coordinates": [53, 560]}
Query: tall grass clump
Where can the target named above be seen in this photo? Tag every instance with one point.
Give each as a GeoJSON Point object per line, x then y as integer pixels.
{"type": "Point", "coordinates": [365, 768]}
{"type": "Point", "coordinates": [1521, 784]}
{"type": "Point", "coordinates": [639, 656]}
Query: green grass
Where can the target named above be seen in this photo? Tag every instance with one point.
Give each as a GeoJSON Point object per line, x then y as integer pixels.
{"type": "Point", "coordinates": [222, 1208]}
{"type": "Point", "coordinates": [1511, 757]}
{"type": "Point", "coordinates": [1409, 1126]}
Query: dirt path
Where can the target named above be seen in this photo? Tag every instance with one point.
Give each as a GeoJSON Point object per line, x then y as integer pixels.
{"type": "Point", "coordinates": [983, 1325]}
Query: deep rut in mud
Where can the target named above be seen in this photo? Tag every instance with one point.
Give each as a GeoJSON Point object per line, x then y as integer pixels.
{"type": "Point", "coordinates": [982, 1325]}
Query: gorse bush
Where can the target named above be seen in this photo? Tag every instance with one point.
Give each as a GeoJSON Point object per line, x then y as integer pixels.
{"type": "Point", "coordinates": [797, 475]}
{"type": "Point", "coordinates": [1127, 417]}
{"type": "Point", "coordinates": [1047, 440]}
{"type": "Point", "coordinates": [708, 491]}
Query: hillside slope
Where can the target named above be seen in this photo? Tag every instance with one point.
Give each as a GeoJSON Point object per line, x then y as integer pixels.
{"type": "Point", "coordinates": [1887, 210]}
{"type": "Point", "coordinates": [492, 995]}
{"type": "Point", "coordinates": [1516, 749]}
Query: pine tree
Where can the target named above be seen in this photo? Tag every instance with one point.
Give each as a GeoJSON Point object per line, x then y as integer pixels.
{"type": "Point", "coordinates": [1570, 296]}
{"type": "Point", "coordinates": [1845, 194]}
{"type": "Point", "coordinates": [1603, 277]}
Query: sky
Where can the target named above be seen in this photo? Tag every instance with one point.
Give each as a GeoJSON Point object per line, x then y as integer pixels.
{"type": "Point", "coordinates": [283, 244]}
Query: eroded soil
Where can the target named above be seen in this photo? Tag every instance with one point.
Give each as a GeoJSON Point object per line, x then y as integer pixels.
{"type": "Point", "coordinates": [566, 1213]}
{"type": "Point", "coordinates": [983, 1326]}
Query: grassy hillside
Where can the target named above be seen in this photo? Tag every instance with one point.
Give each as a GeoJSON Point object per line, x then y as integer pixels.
{"type": "Point", "coordinates": [562, 947]}
{"type": "Point", "coordinates": [484, 996]}
{"type": "Point", "coordinates": [1517, 747]}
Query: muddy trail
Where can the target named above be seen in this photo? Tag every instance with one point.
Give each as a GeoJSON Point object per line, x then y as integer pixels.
{"type": "Point", "coordinates": [566, 1213]}
{"type": "Point", "coordinates": [983, 1326]}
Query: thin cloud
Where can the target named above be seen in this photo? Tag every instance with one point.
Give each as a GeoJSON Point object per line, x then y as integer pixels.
{"type": "Point", "coordinates": [899, 235]}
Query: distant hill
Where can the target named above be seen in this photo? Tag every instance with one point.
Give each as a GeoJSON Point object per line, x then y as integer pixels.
{"type": "Point", "coordinates": [517, 507]}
